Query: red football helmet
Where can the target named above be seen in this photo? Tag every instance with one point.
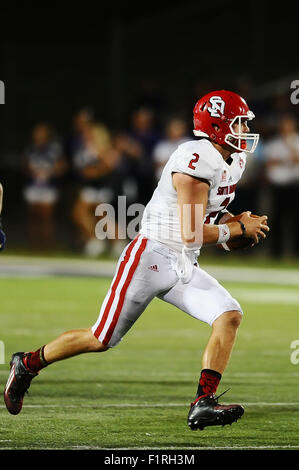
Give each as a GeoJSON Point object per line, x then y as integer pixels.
{"type": "Point", "coordinates": [214, 116]}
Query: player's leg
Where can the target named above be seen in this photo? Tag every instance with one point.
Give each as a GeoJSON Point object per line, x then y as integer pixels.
{"type": "Point", "coordinates": [71, 343]}
{"type": "Point", "coordinates": [128, 298]}
{"type": "Point", "coordinates": [218, 350]}
{"type": "Point", "coordinates": [83, 217]}
{"type": "Point", "coordinates": [205, 410]}
{"type": "Point", "coordinates": [26, 366]}
{"type": "Point", "coordinates": [133, 287]}
{"type": "Point", "coordinates": [205, 299]}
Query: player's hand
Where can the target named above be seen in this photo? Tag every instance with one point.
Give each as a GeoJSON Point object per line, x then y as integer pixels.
{"type": "Point", "coordinates": [2, 239]}
{"type": "Point", "coordinates": [256, 227]}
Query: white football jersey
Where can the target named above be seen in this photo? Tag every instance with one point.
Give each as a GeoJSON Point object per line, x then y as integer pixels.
{"type": "Point", "coordinates": [197, 158]}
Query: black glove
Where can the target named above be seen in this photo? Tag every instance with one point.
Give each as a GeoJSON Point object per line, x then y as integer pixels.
{"type": "Point", "coordinates": [2, 238]}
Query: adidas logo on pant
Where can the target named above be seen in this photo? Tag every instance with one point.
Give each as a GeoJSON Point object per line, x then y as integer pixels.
{"type": "Point", "coordinates": [154, 268]}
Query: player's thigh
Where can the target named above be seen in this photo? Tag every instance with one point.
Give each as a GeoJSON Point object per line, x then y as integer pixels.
{"type": "Point", "coordinates": [202, 298]}
{"type": "Point", "coordinates": [118, 328]}
{"type": "Point", "coordinates": [141, 274]}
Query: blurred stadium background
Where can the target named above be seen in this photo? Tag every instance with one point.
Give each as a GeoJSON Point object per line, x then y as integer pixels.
{"type": "Point", "coordinates": [95, 103]}
{"type": "Point", "coordinates": [96, 100]}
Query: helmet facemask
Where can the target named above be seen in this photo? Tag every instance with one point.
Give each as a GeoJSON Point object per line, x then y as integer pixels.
{"type": "Point", "coordinates": [239, 140]}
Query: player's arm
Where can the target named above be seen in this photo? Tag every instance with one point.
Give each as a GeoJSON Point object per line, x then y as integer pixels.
{"type": "Point", "coordinates": [193, 192]}
{"type": "Point", "coordinates": [223, 217]}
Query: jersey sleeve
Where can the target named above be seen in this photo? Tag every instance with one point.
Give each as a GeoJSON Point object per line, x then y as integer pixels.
{"type": "Point", "coordinates": [196, 162]}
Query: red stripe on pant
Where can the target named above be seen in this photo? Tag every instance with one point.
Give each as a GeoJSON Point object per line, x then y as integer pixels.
{"type": "Point", "coordinates": [123, 291]}
{"type": "Point", "coordinates": [114, 287]}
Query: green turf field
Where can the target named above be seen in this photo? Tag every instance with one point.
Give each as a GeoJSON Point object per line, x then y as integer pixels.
{"type": "Point", "coordinates": [137, 395]}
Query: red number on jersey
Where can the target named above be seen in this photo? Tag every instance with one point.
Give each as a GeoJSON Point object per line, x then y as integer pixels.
{"type": "Point", "coordinates": [193, 160]}
{"type": "Point", "coordinates": [213, 214]}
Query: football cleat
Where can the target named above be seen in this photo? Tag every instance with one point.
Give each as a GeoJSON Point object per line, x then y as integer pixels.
{"type": "Point", "coordinates": [17, 384]}
{"type": "Point", "coordinates": [206, 411]}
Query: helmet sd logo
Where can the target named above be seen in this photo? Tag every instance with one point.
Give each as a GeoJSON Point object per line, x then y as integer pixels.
{"type": "Point", "coordinates": [217, 106]}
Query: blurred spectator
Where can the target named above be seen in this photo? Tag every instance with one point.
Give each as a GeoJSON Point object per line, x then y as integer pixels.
{"type": "Point", "coordinates": [131, 152]}
{"type": "Point", "coordinates": [175, 134]}
{"type": "Point", "coordinates": [95, 164]}
{"type": "Point", "coordinates": [44, 165]}
{"type": "Point", "coordinates": [282, 171]}
{"type": "Point", "coordinates": [144, 133]}
{"type": "Point", "coordinates": [151, 96]}
{"type": "Point", "coordinates": [81, 121]}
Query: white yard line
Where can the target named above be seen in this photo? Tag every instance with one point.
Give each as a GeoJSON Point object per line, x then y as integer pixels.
{"type": "Point", "coordinates": [187, 448]}
{"type": "Point", "coordinates": [254, 275]}
{"type": "Point", "coordinates": [266, 296]}
{"type": "Point", "coordinates": [145, 405]}
{"type": "Point", "coordinates": [35, 267]}
{"type": "Point", "coordinates": [173, 376]}
{"type": "Point", "coordinates": [153, 448]}
{"type": "Point", "coordinates": [111, 450]}
{"type": "Point", "coordinates": [22, 266]}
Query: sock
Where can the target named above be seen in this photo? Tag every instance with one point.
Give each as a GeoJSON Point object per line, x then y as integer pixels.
{"type": "Point", "coordinates": [208, 382]}
{"type": "Point", "coordinates": [35, 361]}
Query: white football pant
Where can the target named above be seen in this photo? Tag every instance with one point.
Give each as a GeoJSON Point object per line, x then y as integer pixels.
{"type": "Point", "coordinates": [147, 269]}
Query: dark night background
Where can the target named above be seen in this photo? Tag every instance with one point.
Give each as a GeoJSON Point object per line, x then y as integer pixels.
{"type": "Point", "coordinates": [55, 60]}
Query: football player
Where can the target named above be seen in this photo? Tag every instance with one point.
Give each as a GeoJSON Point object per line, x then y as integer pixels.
{"type": "Point", "coordinates": [201, 175]}
{"type": "Point", "coordinates": [2, 234]}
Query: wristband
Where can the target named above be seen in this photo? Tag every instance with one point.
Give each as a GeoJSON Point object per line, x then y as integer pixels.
{"type": "Point", "coordinates": [242, 227]}
{"type": "Point", "coordinates": [224, 233]}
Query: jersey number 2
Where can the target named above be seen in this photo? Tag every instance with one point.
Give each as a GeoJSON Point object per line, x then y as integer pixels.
{"type": "Point", "coordinates": [193, 160]}
{"type": "Point", "coordinates": [213, 214]}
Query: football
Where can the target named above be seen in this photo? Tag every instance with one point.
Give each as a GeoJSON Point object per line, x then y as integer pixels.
{"type": "Point", "coordinates": [239, 242]}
